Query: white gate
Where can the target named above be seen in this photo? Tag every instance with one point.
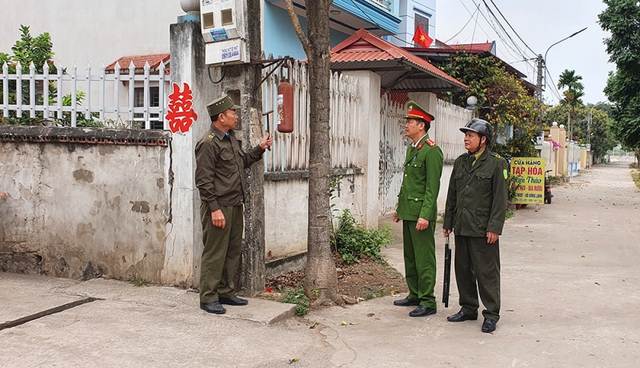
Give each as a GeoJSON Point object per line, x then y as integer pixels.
{"type": "Point", "coordinates": [392, 152]}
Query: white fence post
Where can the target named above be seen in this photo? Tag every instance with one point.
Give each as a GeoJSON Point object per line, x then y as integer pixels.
{"type": "Point", "coordinates": [32, 90]}
{"type": "Point", "coordinates": [45, 90]}
{"type": "Point", "coordinates": [5, 90]}
{"type": "Point", "coordinates": [19, 90]}
{"type": "Point", "coordinates": [74, 94]}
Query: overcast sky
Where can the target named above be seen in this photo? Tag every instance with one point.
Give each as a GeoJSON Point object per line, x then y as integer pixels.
{"type": "Point", "coordinates": [540, 23]}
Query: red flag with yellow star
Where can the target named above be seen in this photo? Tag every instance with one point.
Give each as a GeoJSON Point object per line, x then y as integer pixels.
{"type": "Point", "coordinates": [422, 38]}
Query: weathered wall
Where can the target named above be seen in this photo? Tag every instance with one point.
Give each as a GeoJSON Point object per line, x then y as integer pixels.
{"type": "Point", "coordinates": [82, 209]}
{"type": "Point", "coordinates": [286, 209]}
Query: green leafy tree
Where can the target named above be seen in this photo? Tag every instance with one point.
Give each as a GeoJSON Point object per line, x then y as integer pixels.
{"type": "Point", "coordinates": [622, 19]}
{"type": "Point", "coordinates": [574, 90]}
{"type": "Point", "coordinates": [37, 50]}
{"type": "Point", "coordinates": [27, 50]}
{"type": "Point", "coordinates": [502, 97]}
{"type": "Point", "coordinates": [599, 133]}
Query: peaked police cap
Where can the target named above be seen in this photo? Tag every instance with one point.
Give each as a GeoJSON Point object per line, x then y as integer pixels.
{"type": "Point", "coordinates": [417, 112]}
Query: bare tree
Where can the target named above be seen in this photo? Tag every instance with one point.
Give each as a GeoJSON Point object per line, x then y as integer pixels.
{"type": "Point", "coordinates": [320, 273]}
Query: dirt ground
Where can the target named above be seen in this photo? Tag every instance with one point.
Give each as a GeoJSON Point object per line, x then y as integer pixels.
{"type": "Point", "coordinates": [364, 280]}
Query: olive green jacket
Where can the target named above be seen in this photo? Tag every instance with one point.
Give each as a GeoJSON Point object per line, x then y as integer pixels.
{"type": "Point", "coordinates": [220, 163]}
{"type": "Point", "coordinates": [418, 197]}
{"type": "Point", "coordinates": [477, 196]}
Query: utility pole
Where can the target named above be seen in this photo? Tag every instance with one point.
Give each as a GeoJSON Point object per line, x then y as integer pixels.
{"type": "Point", "coordinates": [541, 86]}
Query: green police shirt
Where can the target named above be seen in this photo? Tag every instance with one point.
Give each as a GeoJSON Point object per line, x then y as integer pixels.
{"type": "Point", "coordinates": [418, 195]}
{"type": "Point", "coordinates": [477, 195]}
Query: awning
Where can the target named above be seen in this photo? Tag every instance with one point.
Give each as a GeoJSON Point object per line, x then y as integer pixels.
{"type": "Point", "coordinates": [399, 70]}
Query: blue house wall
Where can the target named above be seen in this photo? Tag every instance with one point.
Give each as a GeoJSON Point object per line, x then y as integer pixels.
{"type": "Point", "coordinates": [280, 38]}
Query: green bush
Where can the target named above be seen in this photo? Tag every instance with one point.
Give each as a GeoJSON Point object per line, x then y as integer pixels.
{"type": "Point", "coordinates": [353, 241]}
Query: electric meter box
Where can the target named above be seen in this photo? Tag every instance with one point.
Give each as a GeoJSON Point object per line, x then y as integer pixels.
{"type": "Point", "coordinates": [224, 29]}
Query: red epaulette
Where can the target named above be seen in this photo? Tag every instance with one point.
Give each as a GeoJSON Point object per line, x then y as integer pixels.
{"type": "Point", "coordinates": [430, 142]}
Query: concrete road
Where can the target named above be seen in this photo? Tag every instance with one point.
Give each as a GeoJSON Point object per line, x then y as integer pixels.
{"type": "Point", "coordinates": [569, 285]}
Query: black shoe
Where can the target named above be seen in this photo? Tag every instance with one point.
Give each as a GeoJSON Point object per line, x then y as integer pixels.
{"type": "Point", "coordinates": [406, 302]}
{"type": "Point", "coordinates": [214, 307]}
{"type": "Point", "coordinates": [488, 325]}
{"type": "Point", "coordinates": [460, 317]}
{"type": "Point", "coordinates": [422, 311]}
{"type": "Point", "coordinates": [233, 301]}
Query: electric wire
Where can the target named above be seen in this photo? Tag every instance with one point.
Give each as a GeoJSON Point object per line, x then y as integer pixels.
{"type": "Point", "coordinates": [463, 27]}
{"type": "Point", "coordinates": [508, 44]}
{"type": "Point", "coordinates": [554, 90]}
{"type": "Point", "coordinates": [514, 31]}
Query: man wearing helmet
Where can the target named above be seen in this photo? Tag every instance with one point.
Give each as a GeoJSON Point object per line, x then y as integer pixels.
{"type": "Point", "coordinates": [475, 210]}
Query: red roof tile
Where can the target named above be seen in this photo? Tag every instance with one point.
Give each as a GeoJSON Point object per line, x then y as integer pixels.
{"type": "Point", "coordinates": [139, 61]}
{"type": "Point", "coordinates": [363, 46]}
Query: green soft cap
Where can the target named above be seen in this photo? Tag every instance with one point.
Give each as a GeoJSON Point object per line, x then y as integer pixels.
{"type": "Point", "coordinates": [220, 105]}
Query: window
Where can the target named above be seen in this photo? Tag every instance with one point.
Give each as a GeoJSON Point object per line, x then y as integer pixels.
{"type": "Point", "coordinates": [154, 101]}
{"type": "Point", "coordinates": [421, 21]}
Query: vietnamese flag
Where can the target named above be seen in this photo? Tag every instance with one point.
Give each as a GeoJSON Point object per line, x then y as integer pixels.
{"type": "Point", "coordinates": [422, 38]}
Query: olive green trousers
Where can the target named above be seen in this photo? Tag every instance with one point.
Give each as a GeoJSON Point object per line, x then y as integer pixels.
{"type": "Point", "coordinates": [477, 266]}
{"type": "Point", "coordinates": [420, 262]}
{"type": "Point", "coordinates": [221, 253]}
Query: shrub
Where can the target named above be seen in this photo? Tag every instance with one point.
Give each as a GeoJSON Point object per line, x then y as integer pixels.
{"type": "Point", "coordinates": [354, 241]}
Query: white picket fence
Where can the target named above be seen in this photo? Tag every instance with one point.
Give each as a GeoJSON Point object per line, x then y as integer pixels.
{"type": "Point", "coordinates": [290, 151]}
{"type": "Point", "coordinates": [111, 103]}
{"type": "Point", "coordinates": [445, 130]}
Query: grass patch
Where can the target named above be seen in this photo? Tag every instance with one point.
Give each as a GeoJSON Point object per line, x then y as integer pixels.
{"type": "Point", "coordinates": [296, 296]}
{"type": "Point", "coordinates": [510, 213]}
{"type": "Point", "coordinates": [138, 281]}
{"type": "Point", "coordinates": [372, 292]}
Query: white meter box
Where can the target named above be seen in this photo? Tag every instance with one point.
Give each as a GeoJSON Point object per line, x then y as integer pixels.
{"type": "Point", "coordinates": [222, 20]}
{"type": "Point", "coordinates": [226, 52]}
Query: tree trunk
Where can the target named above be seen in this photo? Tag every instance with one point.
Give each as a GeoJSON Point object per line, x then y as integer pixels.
{"type": "Point", "coordinates": [320, 272]}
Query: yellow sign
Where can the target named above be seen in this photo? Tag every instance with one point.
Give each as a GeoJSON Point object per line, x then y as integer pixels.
{"type": "Point", "coordinates": [527, 178]}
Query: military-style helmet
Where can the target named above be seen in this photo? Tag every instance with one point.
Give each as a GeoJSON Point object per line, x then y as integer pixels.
{"type": "Point", "coordinates": [482, 127]}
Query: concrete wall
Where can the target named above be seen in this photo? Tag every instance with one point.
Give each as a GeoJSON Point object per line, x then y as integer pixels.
{"type": "Point", "coordinates": [83, 210]}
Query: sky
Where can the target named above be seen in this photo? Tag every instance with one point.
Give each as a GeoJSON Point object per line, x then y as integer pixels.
{"type": "Point", "coordinates": [540, 24]}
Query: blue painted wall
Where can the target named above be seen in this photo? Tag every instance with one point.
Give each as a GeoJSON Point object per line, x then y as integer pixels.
{"type": "Point", "coordinates": [279, 37]}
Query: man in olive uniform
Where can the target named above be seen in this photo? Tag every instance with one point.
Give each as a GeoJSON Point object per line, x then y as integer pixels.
{"type": "Point", "coordinates": [417, 208]}
{"type": "Point", "coordinates": [475, 211]}
{"type": "Point", "coordinates": [220, 165]}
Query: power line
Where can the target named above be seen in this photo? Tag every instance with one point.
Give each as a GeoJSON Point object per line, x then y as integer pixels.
{"type": "Point", "coordinates": [554, 89]}
{"type": "Point", "coordinates": [505, 32]}
{"type": "Point", "coordinates": [463, 27]}
{"type": "Point", "coordinates": [514, 31]}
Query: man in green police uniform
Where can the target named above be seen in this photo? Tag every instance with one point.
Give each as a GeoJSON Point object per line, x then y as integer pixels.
{"type": "Point", "coordinates": [220, 165]}
{"type": "Point", "coordinates": [417, 208]}
{"type": "Point", "coordinates": [475, 211]}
